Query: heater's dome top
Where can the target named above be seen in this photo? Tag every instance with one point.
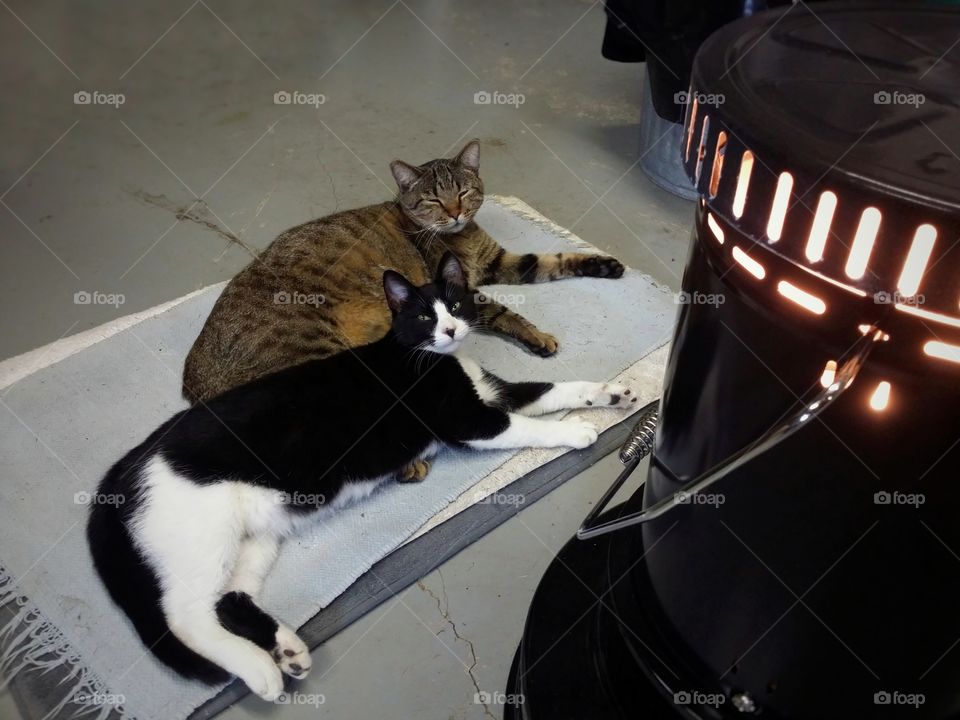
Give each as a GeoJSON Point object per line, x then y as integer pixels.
{"type": "Point", "coordinates": [868, 92]}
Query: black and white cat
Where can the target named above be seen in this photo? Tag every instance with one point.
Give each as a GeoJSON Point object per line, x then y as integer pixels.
{"type": "Point", "coordinates": [213, 491]}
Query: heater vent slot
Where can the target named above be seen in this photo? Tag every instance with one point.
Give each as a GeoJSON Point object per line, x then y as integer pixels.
{"type": "Point", "coordinates": [820, 229]}
{"type": "Point", "coordinates": [749, 264]}
{"type": "Point", "coordinates": [743, 184]}
{"type": "Point", "coordinates": [806, 300]}
{"type": "Point", "coordinates": [778, 209]}
{"type": "Point", "coordinates": [916, 262]}
{"type": "Point", "coordinates": [863, 243]}
{"type": "Point", "coordinates": [881, 396]}
{"type": "Point", "coordinates": [702, 149]}
{"type": "Point", "coordinates": [717, 168]}
{"type": "Point", "coordinates": [715, 228]}
{"type": "Point", "coordinates": [690, 128]}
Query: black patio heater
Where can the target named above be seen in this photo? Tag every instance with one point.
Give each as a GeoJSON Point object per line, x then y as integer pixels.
{"type": "Point", "coordinates": [795, 549]}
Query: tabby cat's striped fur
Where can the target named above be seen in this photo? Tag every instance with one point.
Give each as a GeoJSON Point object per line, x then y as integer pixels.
{"type": "Point", "coordinates": [317, 289]}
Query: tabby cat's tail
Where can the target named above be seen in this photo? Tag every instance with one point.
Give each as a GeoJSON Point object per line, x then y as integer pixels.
{"type": "Point", "coordinates": [129, 578]}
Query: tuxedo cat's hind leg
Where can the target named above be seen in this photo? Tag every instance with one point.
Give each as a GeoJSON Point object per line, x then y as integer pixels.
{"type": "Point", "coordinates": [238, 610]}
{"type": "Point", "coordinates": [192, 535]}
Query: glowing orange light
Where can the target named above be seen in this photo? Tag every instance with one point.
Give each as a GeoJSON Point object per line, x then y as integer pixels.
{"type": "Point", "coordinates": [743, 182]}
{"type": "Point", "coordinates": [881, 396]}
{"type": "Point", "coordinates": [863, 242]}
{"type": "Point", "coordinates": [802, 297]}
{"type": "Point", "coordinates": [778, 210]}
{"type": "Point", "coordinates": [715, 228]}
{"type": "Point", "coordinates": [942, 350]}
{"type": "Point", "coordinates": [718, 163]}
{"type": "Point", "coordinates": [693, 121]}
{"type": "Point", "coordinates": [702, 149]}
{"type": "Point", "coordinates": [916, 261]}
{"type": "Point", "coordinates": [829, 373]}
{"type": "Point", "coordinates": [749, 264]}
{"type": "Point", "coordinates": [817, 240]}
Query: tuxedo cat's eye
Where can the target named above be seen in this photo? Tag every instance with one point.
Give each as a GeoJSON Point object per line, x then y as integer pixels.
{"type": "Point", "coordinates": [423, 318]}
{"type": "Point", "coordinates": [455, 306]}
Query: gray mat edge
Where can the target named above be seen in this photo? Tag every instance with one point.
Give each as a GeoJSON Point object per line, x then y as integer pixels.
{"type": "Point", "coordinates": [418, 558]}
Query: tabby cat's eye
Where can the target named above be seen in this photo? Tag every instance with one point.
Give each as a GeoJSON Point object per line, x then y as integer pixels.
{"type": "Point", "coordinates": [424, 318]}
{"type": "Point", "coordinates": [455, 306]}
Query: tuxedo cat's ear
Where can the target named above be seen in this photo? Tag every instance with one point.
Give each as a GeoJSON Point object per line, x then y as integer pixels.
{"type": "Point", "coordinates": [405, 175]}
{"type": "Point", "coordinates": [469, 157]}
{"type": "Point", "coordinates": [397, 289]}
{"type": "Point", "coordinates": [450, 271]}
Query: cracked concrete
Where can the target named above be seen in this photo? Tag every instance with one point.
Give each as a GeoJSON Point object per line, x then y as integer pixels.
{"type": "Point", "coordinates": [444, 611]}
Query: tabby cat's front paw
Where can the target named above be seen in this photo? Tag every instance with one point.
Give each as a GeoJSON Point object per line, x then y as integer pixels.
{"type": "Point", "coordinates": [542, 344]}
{"type": "Point", "coordinates": [414, 472]}
{"type": "Point", "coordinates": [601, 266]}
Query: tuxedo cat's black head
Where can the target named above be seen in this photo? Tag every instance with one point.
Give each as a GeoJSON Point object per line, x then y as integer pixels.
{"type": "Point", "coordinates": [435, 317]}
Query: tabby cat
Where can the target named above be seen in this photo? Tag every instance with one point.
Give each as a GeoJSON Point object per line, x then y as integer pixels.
{"type": "Point", "coordinates": [316, 289]}
{"type": "Point", "coordinates": [213, 491]}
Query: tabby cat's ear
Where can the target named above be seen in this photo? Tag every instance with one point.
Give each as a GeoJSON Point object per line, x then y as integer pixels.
{"type": "Point", "coordinates": [469, 157]}
{"type": "Point", "coordinates": [397, 289]}
{"type": "Point", "coordinates": [450, 271]}
{"type": "Point", "coordinates": [405, 175]}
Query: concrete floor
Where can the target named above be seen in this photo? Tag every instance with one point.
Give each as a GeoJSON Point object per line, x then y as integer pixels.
{"type": "Point", "coordinates": [174, 189]}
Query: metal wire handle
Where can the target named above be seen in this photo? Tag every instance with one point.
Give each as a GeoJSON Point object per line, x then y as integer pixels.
{"type": "Point", "coordinates": [640, 444]}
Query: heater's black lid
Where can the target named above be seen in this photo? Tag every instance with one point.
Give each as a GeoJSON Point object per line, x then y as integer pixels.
{"type": "Point", "coordinates": [871, 92]}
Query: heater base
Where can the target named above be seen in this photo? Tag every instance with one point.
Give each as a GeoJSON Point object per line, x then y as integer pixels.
{"type": "Point", "coordinates": [573, 661]}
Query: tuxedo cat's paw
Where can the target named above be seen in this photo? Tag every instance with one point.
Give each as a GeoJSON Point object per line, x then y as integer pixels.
{"type": "Point", "coordinates": [291, 654]}
{"type": "Point", "coordinates": [610, 395]}
{"type": "Point", "coordinates": [414, 472]}
{"type": "Point", "coordinates": [543, 344]}
{"type": "Point", "coordinates": [577, 433]}
{"type": "Point", "coordinates": [601, 266]}
{"type": "Point", "coordinates": [257, 669]}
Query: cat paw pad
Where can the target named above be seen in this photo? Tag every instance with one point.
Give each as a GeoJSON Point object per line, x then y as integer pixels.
{"type": "Point", "coordinates": [291, 654]}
